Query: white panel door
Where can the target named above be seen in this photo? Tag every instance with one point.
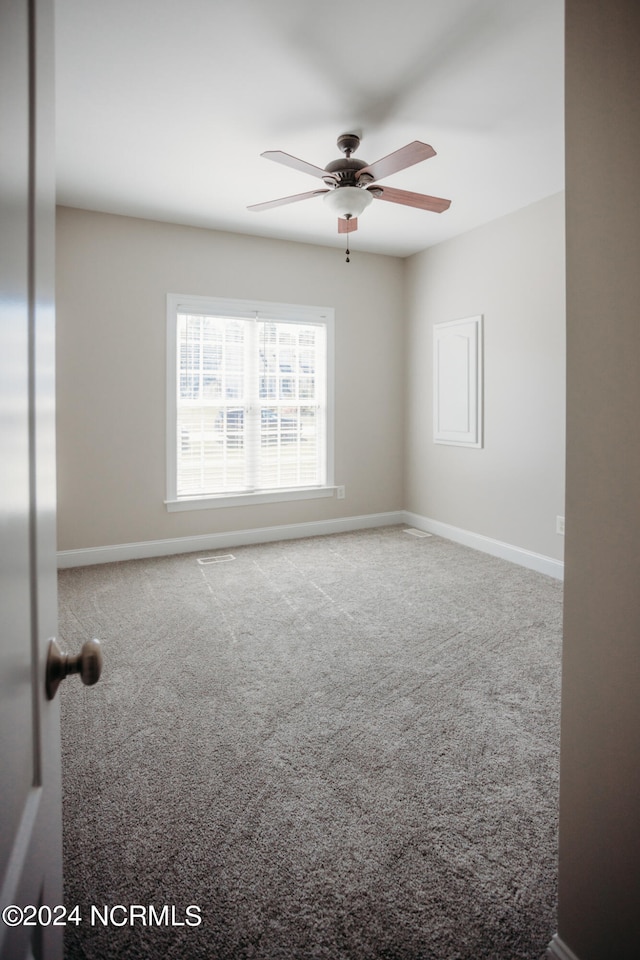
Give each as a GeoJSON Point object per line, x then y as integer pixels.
{"type": "Point", "coordinates": [457, 382]}
{"type": "Point", "coordinates": [30, 800]}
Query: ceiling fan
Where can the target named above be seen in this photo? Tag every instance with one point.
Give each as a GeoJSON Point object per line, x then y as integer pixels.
{"type": "Point", "coordinates": [351, 184]}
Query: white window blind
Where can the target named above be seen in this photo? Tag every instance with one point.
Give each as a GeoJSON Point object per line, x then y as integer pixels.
{"type": "Point", "coordinates": [251, 401]}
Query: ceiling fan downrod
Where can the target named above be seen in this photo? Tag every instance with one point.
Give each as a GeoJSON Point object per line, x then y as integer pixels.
{"type": "Point", "coordinates": [348, 143]}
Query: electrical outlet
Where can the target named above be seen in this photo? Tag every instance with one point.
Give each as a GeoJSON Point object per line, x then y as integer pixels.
{"type": "Point", "coordinates": [340, 493]}
{"type": "Point", "coordinates": [560, 526]}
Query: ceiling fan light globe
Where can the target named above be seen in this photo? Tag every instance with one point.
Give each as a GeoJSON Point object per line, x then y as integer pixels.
{"type": "Point", "coordinates": [348, 201]}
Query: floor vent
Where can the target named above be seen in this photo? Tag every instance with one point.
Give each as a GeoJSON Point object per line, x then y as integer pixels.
{"type": "Point", "coordinates": [222, 558]}
{"type": "Point", "coordinates": [417, 533]}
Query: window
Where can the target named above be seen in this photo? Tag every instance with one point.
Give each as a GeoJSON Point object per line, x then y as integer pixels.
{"type": "Point", "coordinates": [249, 402]}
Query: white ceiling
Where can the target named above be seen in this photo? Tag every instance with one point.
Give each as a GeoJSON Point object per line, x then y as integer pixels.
{"type": "Point", "coordinates": [164, 106]}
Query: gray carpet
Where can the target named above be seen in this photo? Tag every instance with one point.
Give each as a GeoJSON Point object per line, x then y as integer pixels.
{"type": "Point", "coordinates": [342, 747]}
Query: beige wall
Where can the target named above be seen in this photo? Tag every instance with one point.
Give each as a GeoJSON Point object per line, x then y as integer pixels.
{"type": "Point", "coordinates": [511, 271]}
{"type": "Point", "coordinates": [113, 274]}
{"type": "Point", "coordinates": [599, 894]}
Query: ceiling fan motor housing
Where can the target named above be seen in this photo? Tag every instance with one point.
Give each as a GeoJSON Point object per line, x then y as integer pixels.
{"type": "Point", "coordinates": [344, 172]}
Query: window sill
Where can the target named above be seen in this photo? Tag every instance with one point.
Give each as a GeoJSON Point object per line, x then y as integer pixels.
{"type": "Point", "coordinates": [247, 499]}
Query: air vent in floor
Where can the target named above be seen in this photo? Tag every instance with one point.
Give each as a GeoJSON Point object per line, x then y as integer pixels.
{"type": "Point", "coordinates": [223, 558]}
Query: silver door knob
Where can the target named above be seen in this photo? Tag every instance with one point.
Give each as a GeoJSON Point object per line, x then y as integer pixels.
{"type": "Point", "coordinates": [88, 663]}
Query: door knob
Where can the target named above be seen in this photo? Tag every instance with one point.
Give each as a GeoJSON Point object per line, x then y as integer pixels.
{"type": "Point", "coordinates": [88, 663]}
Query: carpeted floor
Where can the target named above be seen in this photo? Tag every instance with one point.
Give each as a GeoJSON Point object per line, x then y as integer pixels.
{"type": "Point", "coordinates": [342, 747]}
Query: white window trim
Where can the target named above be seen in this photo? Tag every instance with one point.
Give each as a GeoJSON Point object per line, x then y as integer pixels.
{"type": "Point", "coordinates": [247, 309]}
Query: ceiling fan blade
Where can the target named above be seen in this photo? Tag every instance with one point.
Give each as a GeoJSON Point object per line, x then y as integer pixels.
{"type": "Point", "coordinates": [347, 226]}
{"type": "Point", "coordinates": [420, 200]}
{"type": "Point", "coordinates": [283, 200]}
{"type": "Point", "coordinates": [290, 161]}
{"type": "Point", "coordinates": [400, 159]}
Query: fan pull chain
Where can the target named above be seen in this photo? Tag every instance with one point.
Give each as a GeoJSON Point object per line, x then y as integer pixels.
{"type": "Point", "coordinates": [347, 231]}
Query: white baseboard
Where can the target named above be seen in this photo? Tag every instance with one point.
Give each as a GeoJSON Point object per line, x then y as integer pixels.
{"type": "Point", "coordinates": [222, 541]}
{"type": "Point", "coordinates": [558, 950]}
{"type": "Point", "coordinates": [506, 551]}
